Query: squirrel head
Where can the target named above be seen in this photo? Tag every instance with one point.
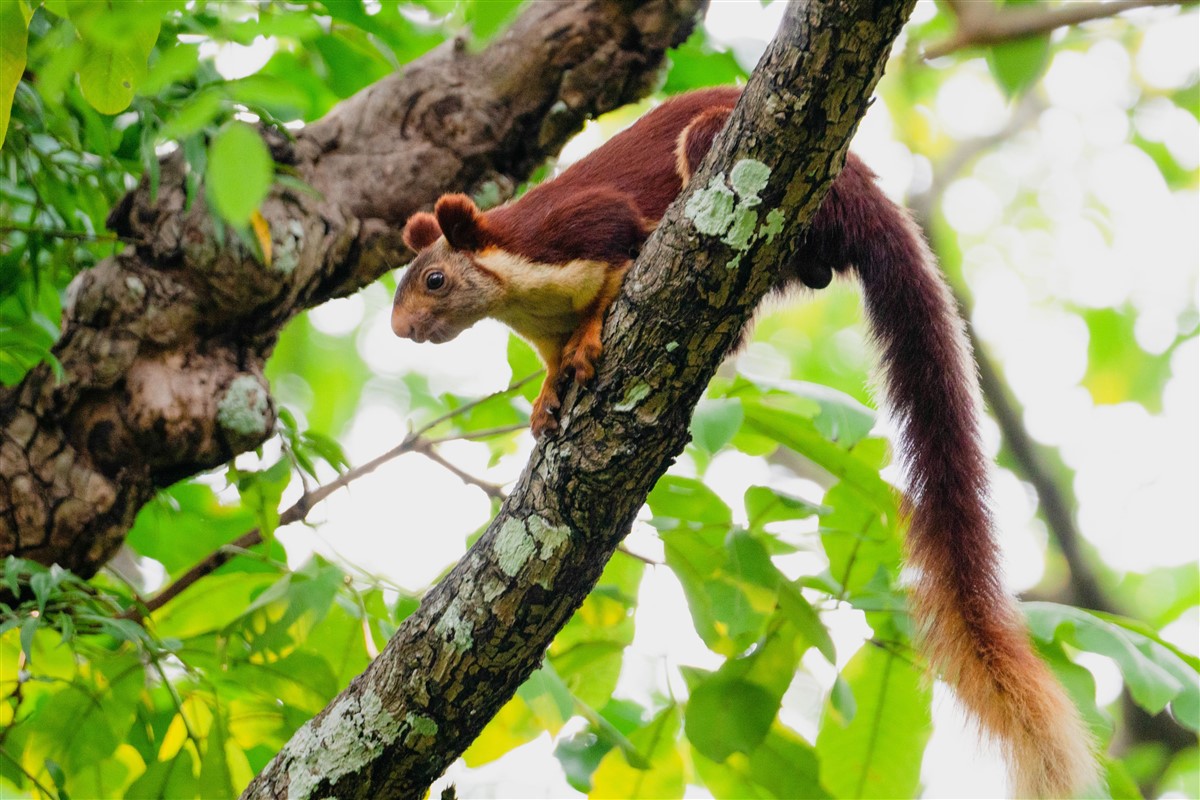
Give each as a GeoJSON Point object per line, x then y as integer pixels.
{"type": "Point", "coordinates": [444, 291]}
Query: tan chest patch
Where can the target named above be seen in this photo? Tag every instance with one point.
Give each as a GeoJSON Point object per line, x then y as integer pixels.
{"type": "Point", "coordinates": [543, 300]}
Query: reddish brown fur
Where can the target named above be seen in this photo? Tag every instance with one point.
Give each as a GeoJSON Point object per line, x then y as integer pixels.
{"type": "Point", "coordinates": [970, 627]}
{"type": "Point", "coordinates": [697, 139]}
{"type": "Point", "coordinates": [461, 223]}
{"type": "Point", "coordinates": [421, 230]}
{"type": "Point", "coordinates": [599, 224]}
{"type": "Point", "coordinates": [595, 216]}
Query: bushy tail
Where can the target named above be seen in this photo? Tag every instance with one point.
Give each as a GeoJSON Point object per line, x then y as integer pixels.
{"type": "Point", "coordinates": [969, 627]}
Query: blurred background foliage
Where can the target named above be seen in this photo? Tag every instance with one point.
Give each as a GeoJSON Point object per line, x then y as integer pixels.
{"type": "Point", "coordinates": [750, 640]}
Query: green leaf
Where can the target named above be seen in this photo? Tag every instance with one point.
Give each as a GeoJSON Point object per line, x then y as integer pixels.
{"type": "Point", "coordinates": [798, 611]}
{"type": "Point", "coordinates": [715, 422]}
{"type": "Point", "coordinates": [522, 360]}
{"type": "Point", "coordinates": [1118, 369]}
{"type": "Point", "coordinates": [799, 433]}
{"type": "Point", "coordinates": [173, 778]}
{"type": "Point", "coordinates": [487, 17]}
{"type": "Point", "coordinates": [729, 715]}
{"type": "Point", "coordinates": [215, 779]}
{"type": "Point", "coordinates": [174, 64]}
{"type": "Point", "coordinates": [280, 618]}
{"type": "Point", "coordinates": [663, 775]}
{"type": "Point", "coordinates": [275, 94]}
{"type": "Point", "coordinates": [1016, 65]}
{"type": "Point", "coordinates": [59, 777]}
{"type": "Point", "coordinates": [184, 524]}
{"type": "Point", "coordinates": [28, 628]}
{"type": "Point", "coordinates": [731, 710]}
{"type": "Point", "coordinates": [842, 706]}
{"type": "Point", "coordinates": [677, 501]}
{"type": "Point", "coordinates": [548, 698]}
{"type": "Point", "coordinates": [861, 542]}
{"type": "Point", "coordinates": [513, 726]}
{"type": "Point", "coordinates": [588, 652]}
{"type": "Point", "coordinates": [210, 605]}
{"type": "Point", "coordinates": [14, 35]}
{"type": "Point", "coordinates": [730, 585]}
{"type": "Point", "coordinates": [1080, 685]}
{"type": "Point", "coordinates": [353, 61]}
{"type": "Point", "coordinates": [878, 753]}
{"type": "Point", "coordinates": [239, 173]}
{"type": "Point", "coordinates": [261, 493]}
{"type": "Point", "coordinates": [579, 756]}
{"type": "Point", "coordinates": [696, 63]}
{"type": "Point", "coordinates": [765, 505]}
{"type": "Point", "coordinates": [590, 670]}
{"type": "Point", "coordinates": [117, 40]}
{"type": "Point", "coordinates": [192, 115]}
{"type": "Point", "coordinates": [1154, 672]}
{"type": "Point", "coordinates": [783, 766]}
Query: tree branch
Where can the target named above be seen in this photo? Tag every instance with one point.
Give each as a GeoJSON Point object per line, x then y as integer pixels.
{"type": "Point", "coordinates": [163, 345]}
{"type": "Point", "coordinates": [416, 442]}
{"type": "Point", "coordinates": [480, 632]}
{"type": "Point", "coordinates": [980, 23]}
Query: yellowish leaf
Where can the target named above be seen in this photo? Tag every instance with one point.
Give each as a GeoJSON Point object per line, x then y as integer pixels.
{"type": "Point", "coordinates": [262, 232]}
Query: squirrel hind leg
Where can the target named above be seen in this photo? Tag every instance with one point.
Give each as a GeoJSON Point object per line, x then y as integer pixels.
{"type": "Point", "coordinates": [696, 140]}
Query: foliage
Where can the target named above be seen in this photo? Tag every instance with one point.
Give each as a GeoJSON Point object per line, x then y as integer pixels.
{"type": "Point", "coordinates": [107, 693]}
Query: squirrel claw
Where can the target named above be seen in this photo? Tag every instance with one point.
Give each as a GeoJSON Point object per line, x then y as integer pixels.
{"type": "Point", "coordinates": [542, 419]}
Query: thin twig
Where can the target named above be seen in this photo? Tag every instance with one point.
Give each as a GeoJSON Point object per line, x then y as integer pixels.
{"type": "Point", "coordinates": [486, 433]}
{"type": "Point", "coordinates": [425, 448]}
{"type": "Point", "coordinates": [32, 778]}
{"type": "Point", "coordinates": [644, 559]}
{"type": "Point", "coordinates": [428, 426]}
{"type": "Point", "coordinates": [984, 23]}
{"type": "Point", "coordinates": [62, 233]}
{"type": "Point", "coordinates": [298, 511]}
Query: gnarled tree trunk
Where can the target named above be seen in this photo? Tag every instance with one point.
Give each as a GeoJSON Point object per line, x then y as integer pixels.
{"type": "Point", "coordinates": [163, 346]}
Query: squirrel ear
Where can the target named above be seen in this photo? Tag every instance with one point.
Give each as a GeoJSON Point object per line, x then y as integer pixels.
{"type": "Point", "coordinates": [421, 230]}
{"type": "Point", "coordinates": [460, 221]}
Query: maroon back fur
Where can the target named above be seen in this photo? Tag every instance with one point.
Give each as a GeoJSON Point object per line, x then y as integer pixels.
{"type": "Point", "coordinates": [599, 224]}
{"type": "Point", "coordinates": [603, 206]}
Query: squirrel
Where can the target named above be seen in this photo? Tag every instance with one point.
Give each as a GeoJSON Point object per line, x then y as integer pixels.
{"type": "Point", "coordinates": [550, 263]}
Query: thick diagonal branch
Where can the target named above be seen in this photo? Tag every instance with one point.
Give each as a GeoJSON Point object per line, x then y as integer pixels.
{"type": "Point", "coordinates": [163, 346]}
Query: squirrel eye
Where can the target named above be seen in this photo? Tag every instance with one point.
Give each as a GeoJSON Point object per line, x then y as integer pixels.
{"type": "Point", "coordinates": [435, 281]}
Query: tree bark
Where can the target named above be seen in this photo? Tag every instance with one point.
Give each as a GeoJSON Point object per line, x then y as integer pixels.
{"type": "Point", "coordinates": [485, 628]}
{"type": "Point", "coordinates": [163, 345]}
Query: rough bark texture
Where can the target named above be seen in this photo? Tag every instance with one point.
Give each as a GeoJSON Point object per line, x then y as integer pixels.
{"type": "Point", "coordinates": [480, 633]}
{"type": "Point", "coordinates": [163, 346]}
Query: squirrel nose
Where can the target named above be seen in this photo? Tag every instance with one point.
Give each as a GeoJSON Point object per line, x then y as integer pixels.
{"type": "Point", "coordinates": [401, 324]}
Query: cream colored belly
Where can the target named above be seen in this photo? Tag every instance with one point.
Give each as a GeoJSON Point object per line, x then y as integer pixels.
{"type": "Point", "coordinates": [544, 300]}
